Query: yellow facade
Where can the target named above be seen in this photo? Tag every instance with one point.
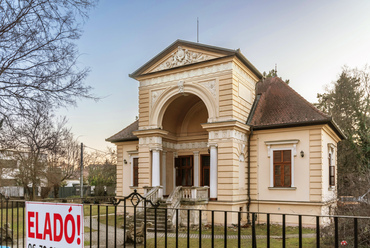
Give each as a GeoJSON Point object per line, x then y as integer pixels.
{"type": "Point", "coordinates": [194, 101]}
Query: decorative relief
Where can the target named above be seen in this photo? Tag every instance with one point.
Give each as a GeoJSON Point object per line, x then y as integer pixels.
{"type": "Point", "coordinates": [181, 146]}
{"type": "Point", "coordinates": [150, 140]}
{"type": "Point", "coordinates": [187, 74]}
{"type": "Point", "coordinates": [182, 57]}
{"type": "Point", "coordinates": [226, 134]}
{"type": "Point", "coordinates": [181, 86]}
{"type": "Point", "coordinates": [155, 95]}
{"type": "Point", "coordinates": [211, 86]}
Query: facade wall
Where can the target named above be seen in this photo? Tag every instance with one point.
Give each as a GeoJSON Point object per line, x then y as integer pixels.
{"type": "Point", "coordinates": [316, 160]}
{"type": "Point", "coordinates": [266, 191]}
{"type": "Point", "coordinates": [330, 140]}
{"type": "Point", "coordinates": [225, 90]}
{"type": "Point", "coordinates": [243, 91]}
{"type": "Point", "coordinates": [124, 170]}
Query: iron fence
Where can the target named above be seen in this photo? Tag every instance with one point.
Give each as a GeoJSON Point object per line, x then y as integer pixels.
{"type": "Point", "coordinates": [134, 221]}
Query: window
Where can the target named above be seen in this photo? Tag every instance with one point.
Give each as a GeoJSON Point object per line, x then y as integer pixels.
{"type": "Point", "coordinates": [331, 166]}
{"type": "Point", "coordinates": [282, 168]}
{"type": "Point", "coordinates": [135, 173]}
{"type": "Point", "coordinates": [282, 155]}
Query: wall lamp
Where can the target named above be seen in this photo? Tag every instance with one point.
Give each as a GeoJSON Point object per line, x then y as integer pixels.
{"type": "Point", "coordinates": [302, 154]}
{"type": "Point", "coordinates": [125, 161]}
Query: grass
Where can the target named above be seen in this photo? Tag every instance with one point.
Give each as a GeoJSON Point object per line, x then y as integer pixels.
{"type": "Point", "coordinates": [275, 230]}
{"type": "Point", "coordinates": [88, 229]}
{"type": "Point", "coordinates": [274, 243]}
{"type": "Point", "coordinates": [13, 225]}
{"type": "Point", "coordinates": [94, 210]}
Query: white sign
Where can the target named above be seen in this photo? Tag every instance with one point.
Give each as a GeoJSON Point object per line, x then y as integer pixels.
{"type": "Point", "coordinates": [54, 225]}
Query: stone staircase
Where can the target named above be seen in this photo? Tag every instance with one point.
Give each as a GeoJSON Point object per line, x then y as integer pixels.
{"type": "Point", "coordinates": [161, 218]}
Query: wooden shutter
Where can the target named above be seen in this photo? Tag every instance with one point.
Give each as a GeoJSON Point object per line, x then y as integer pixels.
{"type": "Point", "coordinates": [136, 172]}
{"type": "Point", "coordinates": [282, 168]}
{"type": "Point", "coordinates": [331, 172]}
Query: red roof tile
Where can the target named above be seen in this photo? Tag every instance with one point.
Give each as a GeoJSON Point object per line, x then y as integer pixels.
{"type": "Point", "coordinates": [279, 105]}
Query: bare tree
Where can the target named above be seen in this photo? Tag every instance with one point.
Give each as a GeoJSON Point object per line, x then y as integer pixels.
{"type": "Point", "coordinates": [102, 168]}
{"type": "Point", "coordinates": [38, 55]}
{"type": "Point", "coordinates": [37, 142]}
{"type": "Point", "coordinates": [63, 162]}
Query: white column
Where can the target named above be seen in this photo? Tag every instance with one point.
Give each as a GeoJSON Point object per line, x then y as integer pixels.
{"type": "Point", "coordinates": [164, 165]}
{"type": "Point", "coordinates": [196, 168]}
{"type": "Point", "coordinates": [213, 171]}
{"type": "Point", "coordinates": [155, 168]}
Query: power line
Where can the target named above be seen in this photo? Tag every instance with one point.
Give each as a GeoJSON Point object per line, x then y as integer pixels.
{"type": "Point", "coordinates": [96, 149]}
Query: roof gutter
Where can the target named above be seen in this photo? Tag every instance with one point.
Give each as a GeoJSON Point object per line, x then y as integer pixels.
{"type": "Point", "coordinates": [329, 121]}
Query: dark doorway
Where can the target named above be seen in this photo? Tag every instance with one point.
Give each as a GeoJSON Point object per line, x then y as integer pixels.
{"type": "Point", "coordinates": [205, 170]}
{"type": "Point", "coordinates": [184, 171]}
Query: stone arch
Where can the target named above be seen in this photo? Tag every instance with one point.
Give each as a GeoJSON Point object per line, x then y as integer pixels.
{"type": "Point", "coordinates": [169, 95]}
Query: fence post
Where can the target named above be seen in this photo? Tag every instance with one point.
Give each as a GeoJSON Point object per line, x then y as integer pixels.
{"type": "Point", "coordinates": [254, 238]}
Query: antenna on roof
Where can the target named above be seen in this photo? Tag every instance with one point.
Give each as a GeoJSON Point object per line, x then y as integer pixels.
{"type": "Point", "coordinates": [275, 70]}
{"type": "Point", "coordinates": [198, 29]}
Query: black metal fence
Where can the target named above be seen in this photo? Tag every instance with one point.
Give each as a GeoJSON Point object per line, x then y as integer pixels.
{"type": "Point", "coordinates": [134, 221]}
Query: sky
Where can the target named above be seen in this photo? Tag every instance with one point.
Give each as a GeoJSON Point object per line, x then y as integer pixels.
{"type": "Point", "coordinates": [310, 41]}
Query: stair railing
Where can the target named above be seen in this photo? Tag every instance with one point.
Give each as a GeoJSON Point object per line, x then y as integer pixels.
{"type": "Point", "coordinates": [153, 194]}
{"type": "Point", "coordinates": [194, 194]}
{"type": "Point", "coordinates": [173, 201]}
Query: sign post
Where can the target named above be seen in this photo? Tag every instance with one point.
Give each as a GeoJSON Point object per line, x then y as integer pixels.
{"type": "Point", "coordinates": [54, 225]}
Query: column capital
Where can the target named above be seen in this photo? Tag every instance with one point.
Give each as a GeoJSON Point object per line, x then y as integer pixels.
{"type": "Point", "coordinates": [155, 149]}
{"type": "Point", "coordinates": [196, 152]}
{"type": "Point", "coordinates": [212, 144]}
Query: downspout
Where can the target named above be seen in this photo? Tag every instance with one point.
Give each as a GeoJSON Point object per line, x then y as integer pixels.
{"type": "Point", "coordinates": [250, 117]}
{"type": "Point", "coordinates": [249, 173]}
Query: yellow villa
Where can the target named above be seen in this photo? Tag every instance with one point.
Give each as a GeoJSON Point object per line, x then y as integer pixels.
{"type": "Point", "coordinates": [214, 132]}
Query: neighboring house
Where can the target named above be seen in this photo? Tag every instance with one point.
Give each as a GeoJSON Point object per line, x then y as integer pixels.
{"type": "Point", "coordinates": [8, 168]}
{"type": "Point", "coordinates": [207, 117]}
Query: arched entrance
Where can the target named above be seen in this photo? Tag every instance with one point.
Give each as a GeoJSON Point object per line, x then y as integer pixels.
{"type": "Point", "coordinates": [186, 142]}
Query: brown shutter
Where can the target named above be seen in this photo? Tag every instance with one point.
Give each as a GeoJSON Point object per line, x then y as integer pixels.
{"type": "Point", "coordinates": [282, 168]}
{"type": "Point", "coordinates": [136, 172]}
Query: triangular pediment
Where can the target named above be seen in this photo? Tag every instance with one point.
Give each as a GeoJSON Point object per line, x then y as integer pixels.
{"type": "Point", "coordinates": [180, 56]}
{"type": "Point", "coordinates": [182, 53]}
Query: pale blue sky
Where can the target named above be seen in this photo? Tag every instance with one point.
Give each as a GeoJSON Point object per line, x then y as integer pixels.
{"type": "Point", "coordinates": [309, 41]}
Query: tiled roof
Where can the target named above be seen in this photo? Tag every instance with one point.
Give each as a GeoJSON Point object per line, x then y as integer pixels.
{"type": "Point", "coordinates": [278, 105]}
{"type": "Point", "coordinates": [126, 133]}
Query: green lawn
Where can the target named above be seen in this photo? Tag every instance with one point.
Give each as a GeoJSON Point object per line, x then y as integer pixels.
{"type": "Point", "coordinates": [291, 242]}
{"type": "Point", "coordinates": [94, 210]}
{"type": "Point", "coordinates": [13, 225]}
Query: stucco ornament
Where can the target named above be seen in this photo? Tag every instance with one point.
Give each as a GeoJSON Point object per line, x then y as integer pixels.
{"type": "Point", "coordinates": [181, 86]}
{"type": "Point", "coordinates": [155, 95]}
{"type": "Point", "coordinates": [182, 57]}
{"type": "Point", "coordinates": [211, 86]}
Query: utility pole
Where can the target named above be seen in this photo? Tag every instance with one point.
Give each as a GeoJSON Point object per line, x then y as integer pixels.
{"type": "Point", "coordinates": [81, 171]}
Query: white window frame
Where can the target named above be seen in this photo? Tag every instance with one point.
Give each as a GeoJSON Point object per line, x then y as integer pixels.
{"type": "Point", "coordinates": [277, 146]}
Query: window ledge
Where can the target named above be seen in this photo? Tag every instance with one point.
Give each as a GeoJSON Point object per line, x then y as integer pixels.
{"type": "Point", "coordinates": [282, 188]}
{"type": "Point", "coordinates": [331, 188]}
{"type": "Point", "coordinates": [133, 187]}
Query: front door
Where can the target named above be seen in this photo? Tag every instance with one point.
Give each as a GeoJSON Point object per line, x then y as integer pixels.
{"type": "Point", "coordinates": [184, 171]}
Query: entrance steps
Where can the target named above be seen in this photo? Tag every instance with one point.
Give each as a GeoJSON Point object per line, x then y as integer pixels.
{"type": "Point", "coordinates": [160, 215]}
